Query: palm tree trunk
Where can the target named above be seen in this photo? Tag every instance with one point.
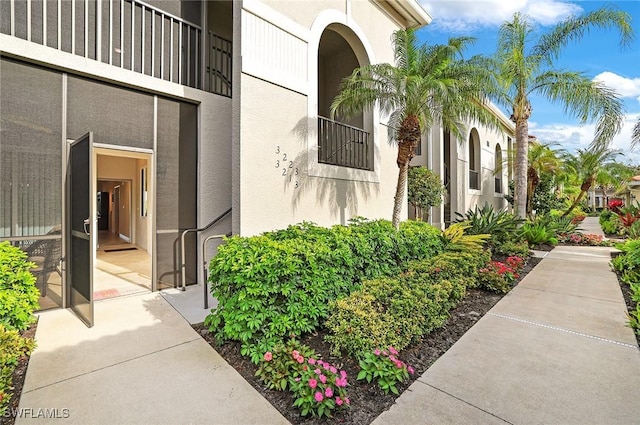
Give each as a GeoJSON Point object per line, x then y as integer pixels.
{"type": "Point", "coordinates": [575, 203]}
{"type": "Point", "coordinates": [522, 150]}
{"type": "Point", "coordinates": [408, 138]}
{"type": "Point", "coordinates": [401, 188]}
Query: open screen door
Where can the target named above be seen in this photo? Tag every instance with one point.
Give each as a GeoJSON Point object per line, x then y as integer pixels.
{"type": "Point", "coordinates": [81, 246]}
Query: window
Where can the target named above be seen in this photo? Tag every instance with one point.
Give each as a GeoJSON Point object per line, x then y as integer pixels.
{"type": "Point", "coordinates": [498, 170]}
{"type": "Point", "coordinates": [474, 160]}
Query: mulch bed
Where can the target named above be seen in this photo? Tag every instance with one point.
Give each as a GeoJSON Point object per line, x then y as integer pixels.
{"type": "Point", "coordinates": [367, 400]}
{"type": "Point", "coordinates": [19, 375]}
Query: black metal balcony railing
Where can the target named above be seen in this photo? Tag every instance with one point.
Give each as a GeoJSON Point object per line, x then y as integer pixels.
{"type": "Point", "coordinates": [344, 145]}
{"type": "Point", "coordinates": [128, 34]}
{"type": "Point", "coordinates": [498, 185]}
{"type": "Point", "coordinates": [474, 181]}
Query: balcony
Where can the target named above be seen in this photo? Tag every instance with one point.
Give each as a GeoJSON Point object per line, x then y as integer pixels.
{"type": "Point", "coordinates": [343, 145]}
{"type": "Point", "coordinates": [474, 180]}
{"type": "Point", "coordinates": [128, 34]}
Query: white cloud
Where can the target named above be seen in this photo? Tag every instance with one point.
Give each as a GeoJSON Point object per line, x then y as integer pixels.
{"type": "Point", "coordinates": [572, 136]}
{"type": "Point", "coordinates": [458, 15]}
{"type": "Point", "coordinates": [626, 87]}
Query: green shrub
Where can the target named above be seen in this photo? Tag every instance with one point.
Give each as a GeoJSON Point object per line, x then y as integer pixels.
{"type": "Point", "coordinates": [279, 284]}
{"type": "Point", "coordinates": [386, 368]}
{"type": "Point", "coordinates": [633, 232]}
{"type": "Point", "coordinates": [398, 311]}
{"type": "Point", "coordinates": [501, 225]}
{"type": "Point", "coordinates": [605, 215]}
{"type": "Point", "coordinates": [612, 226]}
{"type": "Point", "coordinates": [634, 315]}
{"type": "Point", "coordinates": [509, 248]}
{"type": "Point", "coordinates": [12, 348]}
{"type": "Point", "coordinates": [537, 233]}
{"type": "Point", "coordinates": [455, 239]}
{"type": "Point", "coordinates": [18, 293]}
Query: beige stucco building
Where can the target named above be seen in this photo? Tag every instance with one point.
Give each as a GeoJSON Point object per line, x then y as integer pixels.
{"type": "Point", "coordinates": [191, 115]}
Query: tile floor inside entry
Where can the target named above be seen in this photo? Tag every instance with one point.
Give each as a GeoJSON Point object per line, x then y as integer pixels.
{"type": "Point", "coordinates": [119, 270]}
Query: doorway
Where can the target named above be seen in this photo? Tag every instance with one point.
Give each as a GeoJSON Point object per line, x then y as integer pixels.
{"type": "Point", "coordinates": [124, 243]}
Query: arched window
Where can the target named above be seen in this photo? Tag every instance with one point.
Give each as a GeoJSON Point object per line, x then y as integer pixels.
{"type": "Point", "coordinates": [498, 169]}
{"type": "Point", "coordinates": [474, 160]}
{"type": "Point", "coordinates": [348, 143]}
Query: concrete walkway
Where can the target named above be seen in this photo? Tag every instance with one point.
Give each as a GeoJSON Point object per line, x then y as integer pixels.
{"type": "Point", "coordinates": [591, 225]}
{"type": "Point", "coordinates": [141, 363]}
{"type": "Point", "coordinates": [555, 350]}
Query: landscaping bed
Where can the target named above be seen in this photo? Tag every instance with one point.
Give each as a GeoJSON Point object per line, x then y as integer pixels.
{"type": "Point", "coordinates": [17, 381]}
{"type": "Point", "coordinates": [367, 399]}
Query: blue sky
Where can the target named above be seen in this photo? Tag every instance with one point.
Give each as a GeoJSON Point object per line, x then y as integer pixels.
{"type": "Point", "coordinates": [598, 55]}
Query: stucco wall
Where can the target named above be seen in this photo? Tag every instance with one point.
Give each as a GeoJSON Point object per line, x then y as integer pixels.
{"type": "Point", "coordinates": [277, 116]}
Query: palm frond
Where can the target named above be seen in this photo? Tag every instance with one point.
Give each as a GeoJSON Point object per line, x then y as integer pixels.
{"type": "Point", "coordinates": [635, 135]}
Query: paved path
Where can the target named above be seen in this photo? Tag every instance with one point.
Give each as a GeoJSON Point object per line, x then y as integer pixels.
{"type": "Point", "coordinates": [591, 225]}
{"type": "Point", "coordinates": [141, 363]}
{"type": "Point", "coordinates": [555, 350]}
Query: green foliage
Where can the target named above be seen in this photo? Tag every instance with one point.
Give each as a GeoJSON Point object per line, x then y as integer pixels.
{"type": "Point", "coordinates": [278, 367]}
{"type": "Point", "coordinates": [280, 284]}
{"type": "Point", "coordinates": [385, 367]}
{"type": "Point", "coordinates": [424, 188]}
{"type": "Point", "coordinates": [12, 348]}
{"type": "Point", "coordinates": [633, 232]}
{"type": "Point", "coordinates": [454, 238]}
{"type": "Point", "coordinates": [501, 225]}
{"type": "Point", "coordinates": [318, 387]}
{"type": "Point", "coordinates": [537, 233]}
{"type": "Point", "coordinates": [18, 293]}
{"type": "Point", "coordinates": [634, 315]}
{"type": "Point", "coordinates": [612, 225]}
{"type": "Point", "coordinates": [498, 276]}
{"type": "Point", "coordinates": [509, 248]}
{"type": "Point", "coordinates": [627, 264]}
{"type": "Point", "coordinates": [398, 311]}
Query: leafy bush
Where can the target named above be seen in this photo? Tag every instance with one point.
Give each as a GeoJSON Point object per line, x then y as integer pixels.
{"type": "Point", "coordinates": [509, 248]}
{"type": "Point", "coordinates": [537, 233]}
{"type": "Point", "coordinates": [611, 226]}
{"type": "Point", "coordinates": [605, 215]}
{"type": "Point", "coordinates": [634, 315]}
{"type": "Point", "coordinates": [633, 232]}
{"type": "Point", "coordinates": [398, 311]}
{"type": "Point", "coordinates": [386, 368]}
{"type": "Point", "coordinates": [18, 293]}
{"type": "Point", "coordinates": [280, 284]}
{"type": "Point", "coordinates": [499, 276]}
{"type": "Point", "coordinates": [318, 386]}
{"type": "Point", "coordinates": [627, 264]}
{"type": "Point", "coordinates": [454, 238]}
{"type": "Point", "coordinates": [424, 188]}
{"type": "Point", "coordinates": [12, 348]}
{"type": "Point", "coordinates": [501, 225]}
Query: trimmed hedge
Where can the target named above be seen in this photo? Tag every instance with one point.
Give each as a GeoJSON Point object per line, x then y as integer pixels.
{"type": "Point", "coordinates": [399, 311]}
{"type": "Point", "coordinates": [18, 300]}
{"type": "Point", "coordinates": [18, 293]}
{"type": "Point", "coordinates": [279, 284]}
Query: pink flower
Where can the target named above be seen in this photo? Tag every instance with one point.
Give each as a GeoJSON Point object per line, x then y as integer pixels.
{"type": "Point", "coordinates": [343, 374]}
{"type": "Point", "coordinates": [333, 369]}
{"type": "Point", "coordinates": [384, 353]}
{"type": "Point", "coordinates": [392, 358]}
{"type": "Point", "coordinates": [298, 379]}
{"type": "Point", "coordinates": [317, 371]}
{"type": "Point", "coordinates": [313, 383]}
{"type": "Point", "coordinates": [325, 366]}
{"type": "Point", "coordinates": [311, 360]}
{"type": "Point", "coordinates": [376, 352]}
{"type": "Point", "coordinates": [323, 379]}
{"type": "Point", "coordinates": [300, 359]}
{"type": "Point", "coordinates": [295, 353]}
{"type": "Point", "coordinates": [341, 382]}
{"type": "Point", "coordinates": [328, 392]}
{"type": "Point", "coordinates": [268, 356]}
{"type": "Point", "coordinates": [346, 400]}
{"type": "Point", "coordinates": [339, 401]}
{"type": "Point", "coordinates": [399, 364]}
{"type": "Point", "coordinates": [320, 362]}
{"type": "Point", "coordinates": [411, 370]}
{"type": "Point", "coordinates": [318, 396]}
{"type": "Point", "coordinates": [393, 351]}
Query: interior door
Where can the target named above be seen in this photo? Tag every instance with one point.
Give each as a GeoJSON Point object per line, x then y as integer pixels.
{"type": "Point", "coordinates": [81, 190]}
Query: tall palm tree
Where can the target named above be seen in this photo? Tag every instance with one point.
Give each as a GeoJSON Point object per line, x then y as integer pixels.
{"type": "Point", "coordinates": [525, 67]}
{"type": "Point", "coordinates": [613, 176]}
{"type": "Point", "coordinates": [635, 135]}
{"type": "Point", "coordinates": [585, 165]}
{"type": "Point", "coordinates": [542, 160]}
{"type": "Point", "coordinates": [428, 85]}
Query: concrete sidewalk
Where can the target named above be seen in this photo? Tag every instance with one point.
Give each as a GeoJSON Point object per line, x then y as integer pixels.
{"type": "Point", "coordinates": [555, 350]}
{"type": "Point", "coordinates": [141, 363]}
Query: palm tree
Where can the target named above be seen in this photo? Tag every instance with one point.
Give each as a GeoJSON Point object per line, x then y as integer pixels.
{"type": "Point", "coordinates": [635, 135]}
{"type": "Point", "coordinates": [613, 176]}
{"type": "Point", "coordinates": [542, 160]}
{"type": "Point", "coordinates": [585, 165]}
{"type": "Point", "coordinates": [428, 85]}
{"type": "Point", "coordinates": [526, 69]}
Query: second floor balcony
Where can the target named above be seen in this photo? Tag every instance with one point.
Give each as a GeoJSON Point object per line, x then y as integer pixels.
{"type": "Point", "coordinates": [128, 34]}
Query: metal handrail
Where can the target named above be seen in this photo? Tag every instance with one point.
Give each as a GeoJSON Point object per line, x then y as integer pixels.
{"type": "Point", "coordinates": [204, 263]}
{"type": "Point", "coordinates": [183, 262]}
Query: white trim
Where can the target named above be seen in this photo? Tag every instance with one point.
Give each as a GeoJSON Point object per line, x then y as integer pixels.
{"type": "Point", "coordinates": [321, 22]}
{"type": "Point", "coordinates": [126, 151]}
{"type": "Point", "coordinates": [79, 65]}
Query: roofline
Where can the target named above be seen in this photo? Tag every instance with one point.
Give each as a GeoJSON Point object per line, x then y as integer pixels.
{"type": "Point", "coordinates": [410, 11]}
{"type": "Point", "coordinates": [501, 116]}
